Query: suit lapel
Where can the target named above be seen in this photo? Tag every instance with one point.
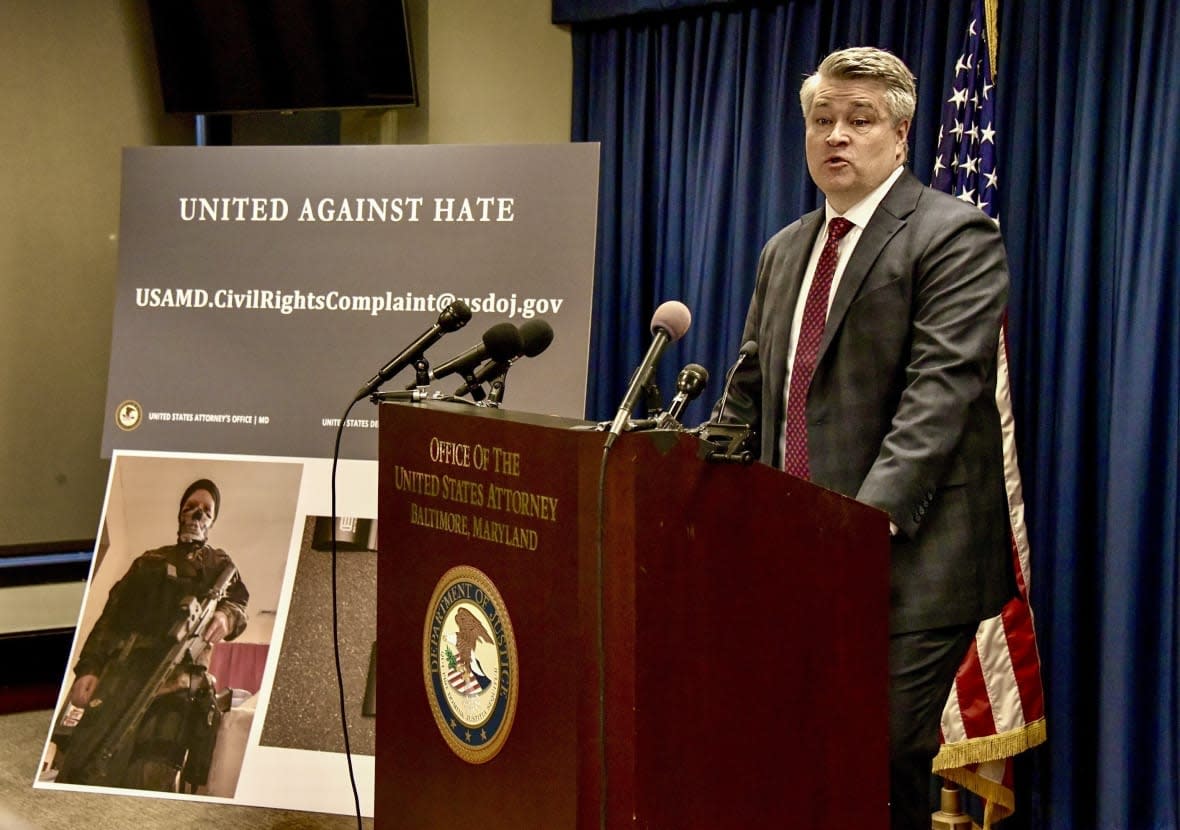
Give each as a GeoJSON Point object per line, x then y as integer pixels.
{"type": "Point", "coordinates": [888, 219]}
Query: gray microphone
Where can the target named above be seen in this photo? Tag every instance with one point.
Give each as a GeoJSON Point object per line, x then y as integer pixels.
{"type": "Point", "coordinates": [669, 323]}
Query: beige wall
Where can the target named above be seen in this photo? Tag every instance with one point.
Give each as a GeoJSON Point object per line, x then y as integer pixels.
{"type": "Point", "coordinates": [498, 72]}
{"type": "Point", "coordinates": [78, 83]}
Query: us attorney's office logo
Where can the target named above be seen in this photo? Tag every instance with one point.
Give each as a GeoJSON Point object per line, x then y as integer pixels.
{"type": "Point", "coordinates": [469, 664]}
{"type": "Point", "coordinates": [129, 415]}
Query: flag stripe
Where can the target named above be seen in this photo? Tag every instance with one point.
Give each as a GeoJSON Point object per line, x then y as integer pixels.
{"type": "Point", "coordinates": [1020, 547]}
{"type": "Point", "coordinates": [1005, 708]}
{"type": "Point", "coordinates": [1026, 662]}
{"type": "Point", "coordinates": [457, 682]}
{"type": "Point", "coordinates": [971, 688]}
{"type": "Point", "coordinates": [952, 730]}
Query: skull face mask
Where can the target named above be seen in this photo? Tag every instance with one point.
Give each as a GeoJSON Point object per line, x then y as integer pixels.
{"type": "Point", "coordinates": [196, 517]}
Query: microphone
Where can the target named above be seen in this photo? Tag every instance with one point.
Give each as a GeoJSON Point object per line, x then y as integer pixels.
{"type": "Point", "coordinates": [452, 318]}
{"type": "Point", "coordinates": [748, 349]}
{"type": "Point", "coordinates": [669, 323]}
{"type": "Point", "coordinates": [729, 442]}
{"type": "Point", "coordinates": [501, 342]}
{"type": "Point", "coordinates": [690, 383]}
{"type": "Point", "coordinates": [535, 337]}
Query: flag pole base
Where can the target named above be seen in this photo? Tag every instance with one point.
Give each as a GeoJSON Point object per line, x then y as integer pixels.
{"type": "Point", "coordinates": [951, 815]}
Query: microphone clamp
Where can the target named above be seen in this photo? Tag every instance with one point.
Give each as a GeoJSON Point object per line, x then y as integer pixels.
{"type": "Point", "coordinates": [411, 395]}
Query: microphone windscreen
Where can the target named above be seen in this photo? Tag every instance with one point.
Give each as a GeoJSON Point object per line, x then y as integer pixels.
{"type": "Point", "coordinates": [503, 342]}
{"type": "Point", "coordinates": [536, 336]}
{"type": "Point", "coordinates": [748, 348]}
{"type": "Point", "coordinates": [692, 379]}
{"type": "Point", "coordinates": [455, 316]}
{"type": "Point", "coordinates": [673, 318]}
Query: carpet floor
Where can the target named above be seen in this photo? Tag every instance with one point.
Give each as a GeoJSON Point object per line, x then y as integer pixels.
{"type": "Point", "coordinates": [22, 737]}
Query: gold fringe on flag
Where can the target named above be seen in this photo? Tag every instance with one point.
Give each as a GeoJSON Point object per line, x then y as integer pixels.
{"type": "Point", "coordinates": [991, 11]}
{"type": "Point", "coordinates": [989, 747]}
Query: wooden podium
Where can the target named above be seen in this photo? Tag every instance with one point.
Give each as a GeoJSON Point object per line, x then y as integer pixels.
{"type": "Point", "coordinates": [716, 658]}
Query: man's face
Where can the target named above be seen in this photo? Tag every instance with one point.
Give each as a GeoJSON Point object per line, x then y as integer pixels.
{"type": "Point", "coordinates": [852, 145]}
{"type": "Point", "coordinates": [196, 516]}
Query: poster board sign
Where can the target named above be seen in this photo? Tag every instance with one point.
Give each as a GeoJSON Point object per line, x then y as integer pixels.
{"type": "Point", "coordinates": [259, 288]}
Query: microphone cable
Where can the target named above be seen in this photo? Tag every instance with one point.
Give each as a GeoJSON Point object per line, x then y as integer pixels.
{"type": "Point", "coordinates": [356, 795]}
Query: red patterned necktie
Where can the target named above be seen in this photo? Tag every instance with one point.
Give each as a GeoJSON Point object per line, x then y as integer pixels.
{"type": "Point", "coordinates": [811, 331]}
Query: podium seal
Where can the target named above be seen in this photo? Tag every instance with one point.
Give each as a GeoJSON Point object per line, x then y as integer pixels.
{"type": "Point", "coordinates": [469, 664]}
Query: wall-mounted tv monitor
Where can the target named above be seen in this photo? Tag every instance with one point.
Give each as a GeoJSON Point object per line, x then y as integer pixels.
{"type": "Point", "coordinates": [226, 56]}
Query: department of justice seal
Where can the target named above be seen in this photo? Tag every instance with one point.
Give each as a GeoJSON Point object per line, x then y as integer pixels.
{"type": "Point", "coordinates": [129, 415]}
{"type": "Point", "coordinates": [469, 664]}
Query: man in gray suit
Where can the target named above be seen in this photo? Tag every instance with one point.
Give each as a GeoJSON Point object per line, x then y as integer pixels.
{"type": "Point", "coordinates": [875, 377]}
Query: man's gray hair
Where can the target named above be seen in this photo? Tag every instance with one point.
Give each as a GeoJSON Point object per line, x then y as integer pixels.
{"type": "Point", "coordinates": [867, 63]}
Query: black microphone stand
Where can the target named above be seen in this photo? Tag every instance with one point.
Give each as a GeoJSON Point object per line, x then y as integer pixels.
{"type": "Point", "coordinates": [421, 372]}
{"type": "Point", "coordinates": [499, 381]}
{"type": "Point", "coordinates": [474, 387]}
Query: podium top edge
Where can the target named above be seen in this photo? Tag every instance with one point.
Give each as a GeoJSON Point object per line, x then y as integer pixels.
{"type": "Point", "coordinates": [515, 415]}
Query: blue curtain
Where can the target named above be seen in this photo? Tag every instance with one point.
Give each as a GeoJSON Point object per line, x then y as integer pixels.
{"type": "Point", "coordinates": [702, 160]}
{"type": "Point", "coordinates": [1092, 224]}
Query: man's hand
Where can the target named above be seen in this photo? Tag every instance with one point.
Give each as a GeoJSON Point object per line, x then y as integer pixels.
{"type": "Point", "coordinates": [217, 628]}
{"type": "Point", "coordinates": [83, 690]}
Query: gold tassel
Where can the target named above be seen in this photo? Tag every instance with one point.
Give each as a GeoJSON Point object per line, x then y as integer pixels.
{"type": "Point", "coordinates": [995, 793]}
{"type": "Point", "coordinates": [991, 11]}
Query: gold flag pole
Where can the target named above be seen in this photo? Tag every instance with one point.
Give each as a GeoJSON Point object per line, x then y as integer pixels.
{"type": "Point", "coordinates": [950, 815]}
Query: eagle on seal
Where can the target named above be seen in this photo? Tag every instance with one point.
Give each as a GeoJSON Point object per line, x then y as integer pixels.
{"type": "Point", "coordinates": [471, 630]}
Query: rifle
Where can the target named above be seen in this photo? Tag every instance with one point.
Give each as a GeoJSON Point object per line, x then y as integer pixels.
{"type": "Point", "coordinates": [92, 764]}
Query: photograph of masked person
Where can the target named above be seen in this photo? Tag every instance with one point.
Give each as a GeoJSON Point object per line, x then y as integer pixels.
{"type": "Point", "coordinates": [142, 711]}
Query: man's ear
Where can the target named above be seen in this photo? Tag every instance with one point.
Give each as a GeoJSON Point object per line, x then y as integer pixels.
{"type": "Point", "coordinates": [902, 134]}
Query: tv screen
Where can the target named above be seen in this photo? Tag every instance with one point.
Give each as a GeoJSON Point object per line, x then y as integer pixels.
{"type": "Point", "coordinates": [225, 56]}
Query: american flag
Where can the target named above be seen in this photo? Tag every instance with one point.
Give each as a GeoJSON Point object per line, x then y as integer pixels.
{"type": "Point", "coordinates": [996, 708]}
{"type": "Point", "coordinates": [965, 165]}
{"type": "Point", "coordinates": [464, 683]}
